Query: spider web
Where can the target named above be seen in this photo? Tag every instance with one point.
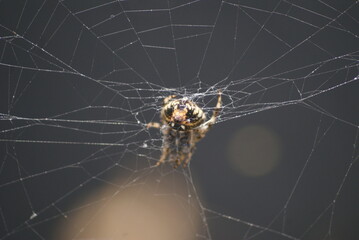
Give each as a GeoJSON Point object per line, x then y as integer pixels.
{"type": "Point", "coordinates": [80, 81]}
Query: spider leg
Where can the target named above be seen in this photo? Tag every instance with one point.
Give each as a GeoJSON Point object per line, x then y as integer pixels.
{"type": "Point", "coordinates": [178, 161]}
{"type": "Point", "coordinates": [179, 157]}
{"type": "Point", "coordinates": [153, 125]}
{"type": "Point", "coordinates": [173, 157]}
{"type": "Point", "coordinates": [163, 157]}
{"type": "Point", "coordinates": [182, 158]}
{"type": "Point", "coordinates": [187, 147]}
{"type": "Point", "coordinates": [216, 111]}
{"type": "Point", "coordinates": [167, 99]}
{"type": "Point", "coordinates": [188, 158]}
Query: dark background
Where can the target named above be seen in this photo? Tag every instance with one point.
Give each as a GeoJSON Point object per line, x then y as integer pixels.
{"type": "Point", "coordinates": [288, 73]}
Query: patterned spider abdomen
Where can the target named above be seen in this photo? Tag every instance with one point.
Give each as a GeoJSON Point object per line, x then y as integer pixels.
{"type": "Point", "coordinates": [182, 114]}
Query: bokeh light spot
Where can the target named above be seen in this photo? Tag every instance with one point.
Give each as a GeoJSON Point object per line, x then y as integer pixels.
{"type": "Point", "coordinates": [150, 210]}
{"type": "Point", "coordinates": [254, 150]}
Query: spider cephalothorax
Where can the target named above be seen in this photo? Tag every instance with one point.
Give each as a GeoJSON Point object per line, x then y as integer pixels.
{"type": "Point", "coordinates": [182, 114]}
{"type": "Point", "coordinates": [183, 125]}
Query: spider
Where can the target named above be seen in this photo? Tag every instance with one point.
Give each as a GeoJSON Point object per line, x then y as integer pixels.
{"type": "Point", "coordinates": [183, 124]}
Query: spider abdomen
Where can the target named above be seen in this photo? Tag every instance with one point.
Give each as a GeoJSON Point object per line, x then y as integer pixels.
{"type": "Point", "coordinates": [182, 114]}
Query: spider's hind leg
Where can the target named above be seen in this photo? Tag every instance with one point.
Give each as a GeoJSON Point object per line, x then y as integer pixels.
{"type": "Point", "coordinates": [186, 148]}
{"type": "Point", "coordinates": [188, 159]}
{"type": "Point", "coordinates": [177, 162]}
{"type": "Point", "coordinates": [163, 157]}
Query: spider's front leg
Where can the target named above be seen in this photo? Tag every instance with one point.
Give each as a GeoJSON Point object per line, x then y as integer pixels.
{"type": "Point", "coordinates": [216, 111]}
{"type": "Point", "coordinates": [203, 129]}
{"type": "Point", "coordinates": [167, 99]}
{"type": "Point", "coordinates": [153, 125]}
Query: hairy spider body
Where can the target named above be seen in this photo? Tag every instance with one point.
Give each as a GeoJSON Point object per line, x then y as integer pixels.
{"type": "Point", "coordinates": [183, 125]}
{"type": "Point", "coordinates": [182, 114]}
